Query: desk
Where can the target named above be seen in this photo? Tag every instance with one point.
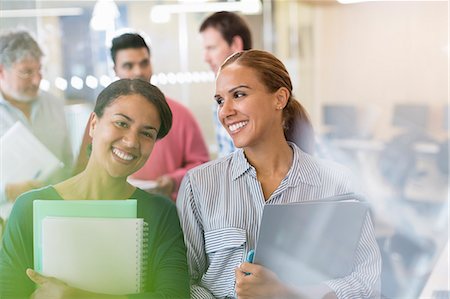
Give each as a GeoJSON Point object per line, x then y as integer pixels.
{"type": "Point", "coordinates": [358, 144]}
{"type": "Point", "coordinates": [439, 279]}
{"type": "Point", "coordinates": [431, 148]}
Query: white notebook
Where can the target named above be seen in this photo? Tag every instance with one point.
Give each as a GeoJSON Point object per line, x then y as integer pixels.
{"type": "Point", "coordinates": [101, 255]}
{"type": "Point", "coordinates": [24, 157]}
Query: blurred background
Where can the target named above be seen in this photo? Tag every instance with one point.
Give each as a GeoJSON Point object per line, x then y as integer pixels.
{"type": "Point", "coordinates": [372, 74]}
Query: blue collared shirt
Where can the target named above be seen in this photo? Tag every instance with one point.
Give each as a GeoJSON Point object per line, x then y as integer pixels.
{"type": "Point", "coordinates": [220, 205]}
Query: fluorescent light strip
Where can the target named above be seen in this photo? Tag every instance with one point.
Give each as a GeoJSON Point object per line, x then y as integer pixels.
{"type": "Point", "coordinates": [41, 12]}
{"type": "Point", "coordinates": [386, 1]}
{"type": "Point", "coordinates": [161, 13]}
{"type": "Point", "coordinates": [93, 82]}
{"type": "Point", "coordinates": [206, 7]}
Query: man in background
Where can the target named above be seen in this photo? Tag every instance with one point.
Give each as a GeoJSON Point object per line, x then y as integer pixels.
{"type": "Point", "coordinates": [223, 33]}
{"type": "Point", "coordinates": [182, 149]}
{"type": "Point", "coordinates": [22, 101]}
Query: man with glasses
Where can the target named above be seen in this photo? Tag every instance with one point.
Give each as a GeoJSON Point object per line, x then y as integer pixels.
{"type": "Point", "coordinates": [21, 100]}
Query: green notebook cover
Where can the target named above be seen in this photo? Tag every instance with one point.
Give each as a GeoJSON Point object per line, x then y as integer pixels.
{"type": "Point", "coordinates": [76, 208]}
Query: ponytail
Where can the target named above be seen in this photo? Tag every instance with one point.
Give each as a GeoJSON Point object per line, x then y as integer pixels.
{"type": "Point", "coordinates": [297, 126]}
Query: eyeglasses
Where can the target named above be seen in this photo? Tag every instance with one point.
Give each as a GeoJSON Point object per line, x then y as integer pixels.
{"type": "Point", "coordinates": [27, 74]}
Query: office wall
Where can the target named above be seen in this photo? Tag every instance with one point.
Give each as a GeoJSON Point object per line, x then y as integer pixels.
{"type": "Point", "coordinates": [372, 55]}
{"type": "Point", "coordinates": [378, 54]}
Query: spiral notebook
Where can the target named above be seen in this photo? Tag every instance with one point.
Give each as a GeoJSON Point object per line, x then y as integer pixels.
{"type": "Point", "coordinates": [76, 208]}
{"type": "Point", "coordinates": [101, 255]}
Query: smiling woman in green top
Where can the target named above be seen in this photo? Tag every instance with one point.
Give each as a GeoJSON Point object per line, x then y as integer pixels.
{"type": "Point", "coordinates": [129, 116]}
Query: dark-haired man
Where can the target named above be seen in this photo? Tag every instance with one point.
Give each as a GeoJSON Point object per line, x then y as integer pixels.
{"type": "Point", "coordinates": [223, 33]}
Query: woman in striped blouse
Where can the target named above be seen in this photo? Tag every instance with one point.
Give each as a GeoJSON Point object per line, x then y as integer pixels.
{"type": "Point", "coordinates": [221, 202]}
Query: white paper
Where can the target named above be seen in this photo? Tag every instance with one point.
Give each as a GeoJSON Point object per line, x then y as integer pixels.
{"type": "Point", "coordinates": [23, 157]}
{"type": "Point", "coordinates": [101, 255]}
{"type": "Point", "coordinates": [143, 184]}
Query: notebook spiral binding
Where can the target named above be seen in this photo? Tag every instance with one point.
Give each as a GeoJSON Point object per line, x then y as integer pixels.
{"type": "Point", "coordinates": [142, 253]}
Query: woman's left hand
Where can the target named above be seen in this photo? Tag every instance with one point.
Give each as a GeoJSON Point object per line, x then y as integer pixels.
{"type": "Point", "coordinates": [260, 283]}
{"type": "Point", "coordinates": [49, 287]}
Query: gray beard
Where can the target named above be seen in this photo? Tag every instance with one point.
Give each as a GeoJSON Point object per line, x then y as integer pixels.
{"type": "Point", "coordinates": [24, 98]}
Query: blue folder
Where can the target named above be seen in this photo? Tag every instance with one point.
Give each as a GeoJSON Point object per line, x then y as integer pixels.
{"type": "Point", "coordinates": [311, 242]}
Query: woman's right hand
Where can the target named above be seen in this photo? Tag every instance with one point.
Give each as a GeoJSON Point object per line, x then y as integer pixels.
{"type": "Point", "coordinates": [49, 287]}
{"type": "Point", "coordinates": [52, 288]}
{"type": "Point", "coordinates": [256, 281]}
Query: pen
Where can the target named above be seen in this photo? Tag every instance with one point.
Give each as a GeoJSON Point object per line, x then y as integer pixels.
{"type": "Point", "coordinates": [38, 173]}
{"type": "Point", "coordinates": [250, 256]}
{"type": "Point", "coordinates": [249, 259]}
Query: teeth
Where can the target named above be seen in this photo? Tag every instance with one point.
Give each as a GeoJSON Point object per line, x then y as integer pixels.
{"type": "Point", "coordinates": [239, 125]}
{"type": "Point", "coordinates": [123, 155]}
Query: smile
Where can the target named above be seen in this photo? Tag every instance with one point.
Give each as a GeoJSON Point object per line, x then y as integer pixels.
{"type": "Point", "coordinates": [123, 155]}
{"type": "Point", "coordinates": [237, 126]}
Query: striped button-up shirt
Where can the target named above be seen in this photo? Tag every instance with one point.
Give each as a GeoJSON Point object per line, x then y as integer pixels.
{"type": "Point", "coordinates": [220, 205]}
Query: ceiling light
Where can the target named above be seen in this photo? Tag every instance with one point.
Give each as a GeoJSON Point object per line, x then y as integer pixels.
{"type": "Point", "coordinates": [161, 13]}
{"type": "Point", "coordinates": [360, 1]}
{"type": "Point", "coordinates": [61, 83]}
{"type": "Point", "coordinates": [44, 85]}
{"type": "Point", "coordinates": [104, 15]}
{"type": "Point", "coordinates": [41, 12]}
{"type": "Point", "coordinates": [91, 82]}
{"type": "Point", "coordinates": [76, 82]}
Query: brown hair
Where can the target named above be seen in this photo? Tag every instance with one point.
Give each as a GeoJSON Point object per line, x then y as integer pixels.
{"type": "Point", "coordinates": [127, 41]}
{"type": "Point", "coordinates": [229, 25]}
{"type": "Point", "coordinates": [273, 74]}
{"type": "Point", "coordinates": [150, 92]}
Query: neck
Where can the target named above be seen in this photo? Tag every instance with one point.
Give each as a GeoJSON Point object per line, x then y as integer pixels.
{"type": "Point", "coordinates": [272, 162]}
{"type": "Point", "coordinates": [274, 157]}
{"type": "Point", "coordinates": [91, 184]}
{"type": "Point", "coordinates": [25, 107]}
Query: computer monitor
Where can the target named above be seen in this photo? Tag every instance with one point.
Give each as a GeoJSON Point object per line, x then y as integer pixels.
{"type": "Point", "coordinates": [411, 116]}
{"type": "Point", "coordinates": [341, 119]}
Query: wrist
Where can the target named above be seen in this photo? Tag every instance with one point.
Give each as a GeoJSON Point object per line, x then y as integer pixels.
{"type": "Point", "coordinates": [168, 183]}
{"type": "Point", "coordinates": [171, 183]}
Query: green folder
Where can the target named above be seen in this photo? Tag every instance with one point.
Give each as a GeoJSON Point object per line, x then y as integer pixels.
{"type": "Point", "coordinates": [76, 208]}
